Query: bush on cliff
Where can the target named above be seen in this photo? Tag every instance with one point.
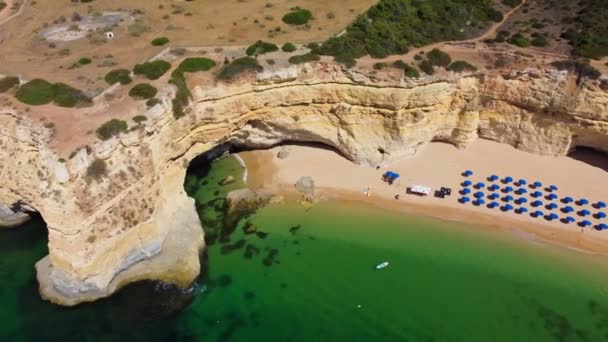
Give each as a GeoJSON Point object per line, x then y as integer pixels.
{"type": "Point", "coordinates": [121, 76]}
{"type": "Point", "coordinates": [239, 66]}
{"type": "Point", "coordinates": [152, 70]}
{"type": "Point", "coordinates": [178, 79]}
{"type": "Point", "coordinates": [143, 91]}
{"type": "Point", "coordinates": [41, 92]}
{"type": "Point", "coordinates": [260, 48]}
{"type": "Point", "coordinates": [306, 58]}
{"type": "Point", "coordinates": [297, 16]}
{"type": "Point", "coordinates": [97, 170]}
{"type": "Point", "coordinates": [111, 128]}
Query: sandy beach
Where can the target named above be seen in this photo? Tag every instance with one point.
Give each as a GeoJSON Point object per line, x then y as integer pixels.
{"type": "Point", "coordinates": [582, 175]}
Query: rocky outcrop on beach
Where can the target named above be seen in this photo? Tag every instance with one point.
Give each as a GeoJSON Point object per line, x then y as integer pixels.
{"type": "Point", "coordinates": [135, 220]}
{"type": "Point", "coordinates": [306, 185]}
{"type": "Point", "coordinates": [10, 218]}
{"type": "Point", "coordinates": [242, 202]}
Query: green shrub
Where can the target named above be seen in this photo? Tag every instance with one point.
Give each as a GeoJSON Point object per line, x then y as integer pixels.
{"type": "Point", "coordinates": [426, 67]}
{"type": "Point", "coordinates": [306, 58]}
{"type": "Point", "coordinates": [519, 40]}
{"type": "Point", "coordinates": [438, 58]}
{"type": "Point", "coordinates": [160, 41]}
{"type": "Point", "coordinates": [260, 48]}
{"type": "Point", "coordinates": [239, 66]}
{"type": "Point", "coordinates": [392, 26]}
{"type": "Point", "coordinates": [512, 3]}
{"type": "Point", "coordinates": [139, 119]}
{"type": "Point", "coordinates": [582, 69]}
{"type": "Point", "coordinates": [152, 102]}
{"type": "Point", "coordinates": [196, 64]}
{"type": "Point", "coordinates": [297, 17]}
{"type": "Point", "coordinates": [494, 15]}
{"type": "Point", "coordinates": [408, 70]}
{"type": "Point", "coordinates": [84, 61]}
{"type": "Point", "coordinates": [36, 92]}
{"type": "Point", "coordinates": [8, 83]}
{"type": "Point", "coordinates": [118, 75]}
{"type": "Point", "coordinates": [379, 66]}
{"type": "Point", "coordinates": [40, 92]}
{"type": "Point", "coordinates": [588, 32]}
{"type": "Point", "coordinates": [540, 41]}
{"type": "Point", "coordinates": [143, 91]}
{"type": "Point", "coordinates": [97, 170]}
{"type": "Point", "coordinates": [288, 47]}
{"type": "Point", "coordinates": [152, 70]}
{"type": "Point", "coordinates": [182, 96]}
{"type": "Point", "coordinates": [66, 96]}
{"type": "Point", "coordinates": [111, 128]}
{"type": "Point", "coordinates": [460, 66]}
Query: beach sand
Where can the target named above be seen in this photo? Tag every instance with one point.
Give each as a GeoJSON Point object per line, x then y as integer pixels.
{"type": "Point", "coordinates": [581, 175]}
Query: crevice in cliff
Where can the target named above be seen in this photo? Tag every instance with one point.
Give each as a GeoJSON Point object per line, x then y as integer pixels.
{"type": "Point", "coordinates": [590, 156]}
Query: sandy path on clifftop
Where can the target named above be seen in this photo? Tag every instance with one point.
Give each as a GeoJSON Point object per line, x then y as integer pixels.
{"type": "Point", "coordinates": [440, 165]}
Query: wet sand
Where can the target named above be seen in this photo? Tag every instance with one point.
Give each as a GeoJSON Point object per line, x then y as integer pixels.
{"type": "Point", "coordinates": [581, 176]}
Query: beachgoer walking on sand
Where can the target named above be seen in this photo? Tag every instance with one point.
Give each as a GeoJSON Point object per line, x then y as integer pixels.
{"type": "Point", "coordinates": [397, 196]}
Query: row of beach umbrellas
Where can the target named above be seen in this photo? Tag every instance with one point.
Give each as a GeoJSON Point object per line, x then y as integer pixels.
{"type": "Point", "coordinates": [521, 190]}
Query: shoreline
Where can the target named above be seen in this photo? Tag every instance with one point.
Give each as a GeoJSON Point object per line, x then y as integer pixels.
{"type": "Point", "coordinates": [268, 172]}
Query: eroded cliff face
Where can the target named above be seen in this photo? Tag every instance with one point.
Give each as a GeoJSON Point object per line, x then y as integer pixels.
{"type": "Point", "coordinates": [136, 222]}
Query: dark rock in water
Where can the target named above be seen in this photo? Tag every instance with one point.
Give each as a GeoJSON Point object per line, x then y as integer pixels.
{"type": "Point", "coordinates": [227, 180]}
{"type": "Point", "coordinates": [270, 258]}
{"type": "Point", "coordinates": [261, 235]}
{"type": "Point", "coordinates": [283, 154]}
{"type": "Point", "coordinates": [283, 285]}
{"type": "Point", "coordinates": [251, 251]}
{"type": "Point", "coordinates": [306, 185]}
{"type": "Point", "coordinates": [228, 248]}
{"type": "Point", "coordinates": [224, 280]}
{"type": "Point", "coordinates": [293, 230]}
{"type": "Point", "coordinates": [250, 228]}
{"type": "Point", "coordinates": [240, 203]}
{"type": "Point", "coordinates": [249, 295]}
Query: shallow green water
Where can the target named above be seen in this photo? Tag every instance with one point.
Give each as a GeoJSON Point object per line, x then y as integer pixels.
{"type": "Point", "coordinates": [308, 275]}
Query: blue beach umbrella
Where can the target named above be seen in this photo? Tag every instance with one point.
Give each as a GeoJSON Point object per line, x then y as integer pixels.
{"type": "Point", "coordinates": [479, 194]}
{"type": "Point", "coordinates": [465, 191]}
{"type": "Point", "coordinates": [507, 198]}
{"type": "Point", "coordinates": [537, 184]}
{"type": "Point", "coordinates": [507, 207]}
{"type": "Point", "coordinates": [480, 185]}
{"type": "Point", "coordinates": [570, 219]}
{"type": "Point", "coordinates": [493, 187]}
{"type": "Point", "coordinates": [467, 173]}
{"type": "Point", "coordinates": [567, 209]}
{"type": "Point", "coordinates": [551, 197]}
{"type": "Point", "coordinates": [583, 201]}
{"type": "Point", "coordinates": [494, 204]}
{"type": "Point", "coordinates": [553, 216]}
{"type": "Point", "coordinates": [536, 194]}
{"type": "Point", "coordinates": [552, 188]}
{"type": "Point", "coordinates": [523, 210]}
{"type": "Point", "coordinates": [493, 196]}
{"type": "Point", "coordinates": [493, 178]}
{"type": "Point", "coordinates": [584, 212]}
{"type": "Point", "coordinates": [601, 204]}
{"type": "Point", "coordinates": [508, 189]}
{"type": "Point", "coordinates": [552, 206]}
{"type": "Point", "coordinates": [537, 203]}
{"type": "Point", "coordinates": [522, 191]}
{"type": "Point", "coordinates": [585, 223]}
{"type": "Point", "coordinates": [464, 199]}
{"type": "Point", "coordinates": [522, 182]}
{"type": "Point", "coordinates": [600, 215]}
{"type": "Point", "coordinates": [602, 226]}
{"type": "Point", "coordinates": [467, 183]}
{"type": "Point", "coordinates": [567, 199]}
{"type": "Point", "coordinates": [508, 179]}
{"type": "Point", "coordinates": [538, 213]}
{"type": "Point", "coordinates": [522, 200]}
{"type": "Point", "coordinates": [479, 201]}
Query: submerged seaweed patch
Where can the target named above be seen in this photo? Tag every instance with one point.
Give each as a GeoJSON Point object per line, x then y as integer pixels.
{"type": "Point", "coordinates": [229, 248]}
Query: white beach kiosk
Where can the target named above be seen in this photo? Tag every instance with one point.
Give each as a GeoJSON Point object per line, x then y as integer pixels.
{"type": "Point", "coordinates": [420, 190]}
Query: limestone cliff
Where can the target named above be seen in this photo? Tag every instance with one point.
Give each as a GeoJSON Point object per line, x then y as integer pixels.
{"type": "Point", "coordinates": [136, 222]}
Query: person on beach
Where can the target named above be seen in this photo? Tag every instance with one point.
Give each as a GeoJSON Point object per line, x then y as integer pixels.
{"type": "Point", "coordinates": [397, 196]}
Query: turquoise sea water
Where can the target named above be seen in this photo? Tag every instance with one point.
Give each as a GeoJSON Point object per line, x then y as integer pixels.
{"type": "Point", "coordinates": [308, 275]}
